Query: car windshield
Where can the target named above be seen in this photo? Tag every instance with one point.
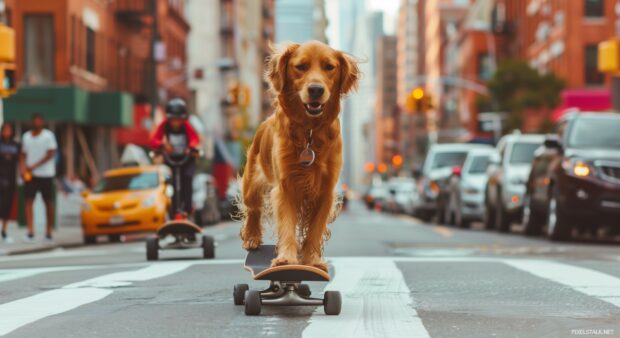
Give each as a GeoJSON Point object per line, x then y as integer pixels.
{"type": "Point", "coordinates": [127, 182]}
{"type": "Point", "coordinates": [523, 153]}
{"type": "Point", "coordinates": [448, 159]}
{"type": "Point", "coordinates": [479, 165]}
{"type": "Point", "coordinates": [595, 133]}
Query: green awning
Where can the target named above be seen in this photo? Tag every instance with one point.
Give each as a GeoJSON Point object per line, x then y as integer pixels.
{"type": "Point", "coordinates": [70, 104]}
{"type": "Point", "coordinates": [110, 109]}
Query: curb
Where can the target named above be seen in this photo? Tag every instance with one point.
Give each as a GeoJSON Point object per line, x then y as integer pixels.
{"type": "Point", "coordinates": [38, 249]}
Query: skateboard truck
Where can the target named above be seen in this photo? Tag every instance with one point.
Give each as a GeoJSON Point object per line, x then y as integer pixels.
{"type": "Point", "coordinates": [285, 287]}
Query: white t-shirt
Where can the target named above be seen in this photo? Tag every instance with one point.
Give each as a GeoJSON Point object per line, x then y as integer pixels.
{"type": "Point", "coordinates": [35, 148]}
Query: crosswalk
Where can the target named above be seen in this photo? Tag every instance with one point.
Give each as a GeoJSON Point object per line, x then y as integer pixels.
{"type": "Point", "coordinates": [379, 300]}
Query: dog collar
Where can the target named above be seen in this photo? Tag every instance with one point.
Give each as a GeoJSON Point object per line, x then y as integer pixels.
{"type": "Point", "coordinates": [307, 156]}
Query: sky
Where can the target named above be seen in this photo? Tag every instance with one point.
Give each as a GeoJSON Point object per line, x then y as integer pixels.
{"type": "Point", "coordinates": [389, 8]}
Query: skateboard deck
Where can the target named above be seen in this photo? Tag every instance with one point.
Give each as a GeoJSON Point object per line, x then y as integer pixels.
{"type": "Point", "coordinates": [178, 228]}
{"type": "Point", "coordinates": [258, 263]}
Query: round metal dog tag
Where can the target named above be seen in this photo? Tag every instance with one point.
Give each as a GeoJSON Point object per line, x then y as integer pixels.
{"type": "Point", "coordinates": [306, 158]}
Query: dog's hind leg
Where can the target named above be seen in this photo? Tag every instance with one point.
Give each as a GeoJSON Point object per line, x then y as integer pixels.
{"type": "Point", "coordinates": [253, 191]}
{"type": "Point", "coordinates": [311, 250]}
{"type": "Point", "coordinates": [286, 212]}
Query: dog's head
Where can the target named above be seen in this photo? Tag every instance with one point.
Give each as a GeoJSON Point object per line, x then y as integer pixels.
{"type": "Point", "coordinates": [311, 75]}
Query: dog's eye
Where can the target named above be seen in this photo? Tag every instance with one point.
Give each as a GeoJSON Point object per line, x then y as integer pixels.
{"type": "Point", "coordinates": [302, 67]}
{"type": "Point", "coordinates": [329, 67]}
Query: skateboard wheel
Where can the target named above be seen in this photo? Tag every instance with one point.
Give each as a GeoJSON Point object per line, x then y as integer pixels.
{"type": "Point", "coordinates": [152, 248]}
{"type": "Point", "coordinates": [239, 293]}
{"type": "Point", "coordinates": [332, 302]}
{"type": "Point", "coordinates": [208, 247]}
{"type": "Point", "coordinates": [304, 290]}
{"type": "Point", "coordinates": [252, 303]}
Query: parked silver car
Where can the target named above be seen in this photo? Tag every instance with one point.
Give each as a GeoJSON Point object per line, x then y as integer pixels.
{"type": "Point", "coordinates": [466, 188]}
{"type": "Point", "coordinates": [508, 174]}
{"type": "Point", "coordinates": [402, 195]}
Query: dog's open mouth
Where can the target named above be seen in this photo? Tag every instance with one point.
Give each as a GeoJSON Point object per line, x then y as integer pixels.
{"type": "Point", "coordinates": [314, 108]}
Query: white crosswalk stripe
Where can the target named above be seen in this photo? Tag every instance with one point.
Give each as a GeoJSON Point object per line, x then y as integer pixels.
{"type": "Point", "coordinates": [376, 303]}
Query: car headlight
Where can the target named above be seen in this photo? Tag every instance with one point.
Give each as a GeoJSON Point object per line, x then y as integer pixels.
{"type": "Point", "coordinates": [578, 168]}
{"type": "Point", "coordinates": [434, 187]}
{"type": "Point", "coordinates": [149, 201]}
{"type": "Point", "coordinates": [86, 207]}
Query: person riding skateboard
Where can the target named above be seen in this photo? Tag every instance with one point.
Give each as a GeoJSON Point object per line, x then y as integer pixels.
{"type": "Point", "coordinates": [177, 138]}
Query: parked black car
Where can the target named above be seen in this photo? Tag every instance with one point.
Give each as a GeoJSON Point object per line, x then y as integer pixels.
{"type": "Point", "coordinates": [575, 178]}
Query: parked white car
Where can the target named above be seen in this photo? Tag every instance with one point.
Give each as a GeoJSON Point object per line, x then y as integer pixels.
{"type": "Point", "coordinates": [466, 188]}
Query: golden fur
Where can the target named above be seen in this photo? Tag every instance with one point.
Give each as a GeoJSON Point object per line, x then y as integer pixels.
{"type": "Point", "coordinates": [301, 198]}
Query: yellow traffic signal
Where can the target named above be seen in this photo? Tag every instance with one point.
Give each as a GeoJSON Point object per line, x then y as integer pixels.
{"type": "Point", "coordinates": [609, 56]}
{"type": "Point", "coordinates": [417, 94]}
{"type": "Point", "coordinates": [7, 44]}
{"type": "Point", "coordinates": [8, 84]}
{"type": "Point", "coordinates": [418, 101]}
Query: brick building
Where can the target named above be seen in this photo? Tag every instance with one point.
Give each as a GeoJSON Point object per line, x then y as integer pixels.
{"type": "Point", "coordinates": [386, 127]}
{"type": "Point", "coordinates": [553, 36]}
{"type": "Point", "coordinates": [85, 65]}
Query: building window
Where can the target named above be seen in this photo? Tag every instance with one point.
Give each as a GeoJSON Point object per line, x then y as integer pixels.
{"type": "Point", "coordinates": [594, 8]}
{"type": "Point", "coordinates": [90, 50]}
{"type": "Point", "coordinates": [39, 49]}
{"type": "Point", "coordinates": [593, 76]}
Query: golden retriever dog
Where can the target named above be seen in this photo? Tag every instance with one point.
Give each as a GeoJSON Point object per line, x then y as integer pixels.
{"type": "Point", "coordinates": [295, 158]}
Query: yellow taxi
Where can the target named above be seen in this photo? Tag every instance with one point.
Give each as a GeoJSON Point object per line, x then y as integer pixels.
{"type": "Point", "coordinates": [126, 200]}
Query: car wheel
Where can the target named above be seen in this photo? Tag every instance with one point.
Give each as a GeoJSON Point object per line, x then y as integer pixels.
{"type": "Point", "coordinates": [532, 220]}
{"type": "Point", "coordinates": [558, 226]}
{"type": "Point", "coordinates": [502, 221]}
{"type": "Point", "coordinates": [90, 239]}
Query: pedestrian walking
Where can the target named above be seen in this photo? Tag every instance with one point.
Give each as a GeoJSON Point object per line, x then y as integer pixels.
{"type": "Point", "coordinates": [9, 158]}
{"type": "Point", "coordinates": [38, 170]}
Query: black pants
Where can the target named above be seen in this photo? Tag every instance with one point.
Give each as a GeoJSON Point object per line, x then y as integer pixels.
{"type": "Point", "coordinates": [186, 191]}
{"type": "Point", "coordinates": [7, 187]}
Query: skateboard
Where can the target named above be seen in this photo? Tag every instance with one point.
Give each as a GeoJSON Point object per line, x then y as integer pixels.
{"type": "Point", "coordinates": [285, 287]}
{"type": "Point", "coordinates": [185, 235]}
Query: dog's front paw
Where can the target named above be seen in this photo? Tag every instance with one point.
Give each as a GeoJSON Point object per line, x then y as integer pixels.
{"type": "Point", "coordinates": [251, 241]}
{"type": "Point", "coordinates": [282, 260]}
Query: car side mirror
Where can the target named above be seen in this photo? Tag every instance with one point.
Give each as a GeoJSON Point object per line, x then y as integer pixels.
{"type": "Point", "coordinates": [456, 171]}
{"type": "Point", "coordinates": [85, 193]}
{"type": "Point", "coordinates": [168, 180]}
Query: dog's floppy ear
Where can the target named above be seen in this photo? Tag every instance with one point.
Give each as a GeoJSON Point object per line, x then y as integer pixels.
{"type": "Point", "coordinates": [349, 73]}
{"type": "Point", "coordinates": [277, 62]}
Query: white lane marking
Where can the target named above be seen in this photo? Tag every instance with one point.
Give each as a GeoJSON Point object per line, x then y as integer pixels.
{"type": "Point", "coordinates": [24, 311]}
{"type": "Point", "coordinates": [125, 278]}
{"type": "Point", "coordinates": [590, 282]}
{"type": "Point", "coordinates": [376, 302]}
{"type": "Point", "coordinates": [18, 313]}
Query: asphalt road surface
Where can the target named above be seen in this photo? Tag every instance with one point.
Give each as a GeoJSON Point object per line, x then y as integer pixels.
{"type": "Point", "coordinates": [398, 278]}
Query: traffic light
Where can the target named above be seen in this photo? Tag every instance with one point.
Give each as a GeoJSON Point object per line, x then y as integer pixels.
{"type": "Point", "coordinates": [8, 85]}
{"type": "Point", "coordinates": [418, 101]}
{"type": "Point", "coordinates": [397, 160]}
{"type": "Point", "coordinates": [609, 56]}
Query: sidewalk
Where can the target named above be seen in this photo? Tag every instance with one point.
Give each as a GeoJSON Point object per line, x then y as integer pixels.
{"type": "Point", "coordinates": [68, 236]}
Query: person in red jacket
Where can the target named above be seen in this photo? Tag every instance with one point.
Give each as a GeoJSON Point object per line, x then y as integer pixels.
{"type": "Point", "coordinates": [177, 138]}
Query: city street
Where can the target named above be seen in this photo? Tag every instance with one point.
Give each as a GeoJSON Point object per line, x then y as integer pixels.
{"type": "Point", "coordinates": [398, 277]}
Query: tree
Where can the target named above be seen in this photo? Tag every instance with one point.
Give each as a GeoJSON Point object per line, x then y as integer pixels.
{"type": "Point", "coordinates": [517, 87]}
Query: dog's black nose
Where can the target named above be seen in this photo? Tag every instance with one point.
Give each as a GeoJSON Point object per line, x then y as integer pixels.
{"type": "Point", "coordinates": [315, 91]}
